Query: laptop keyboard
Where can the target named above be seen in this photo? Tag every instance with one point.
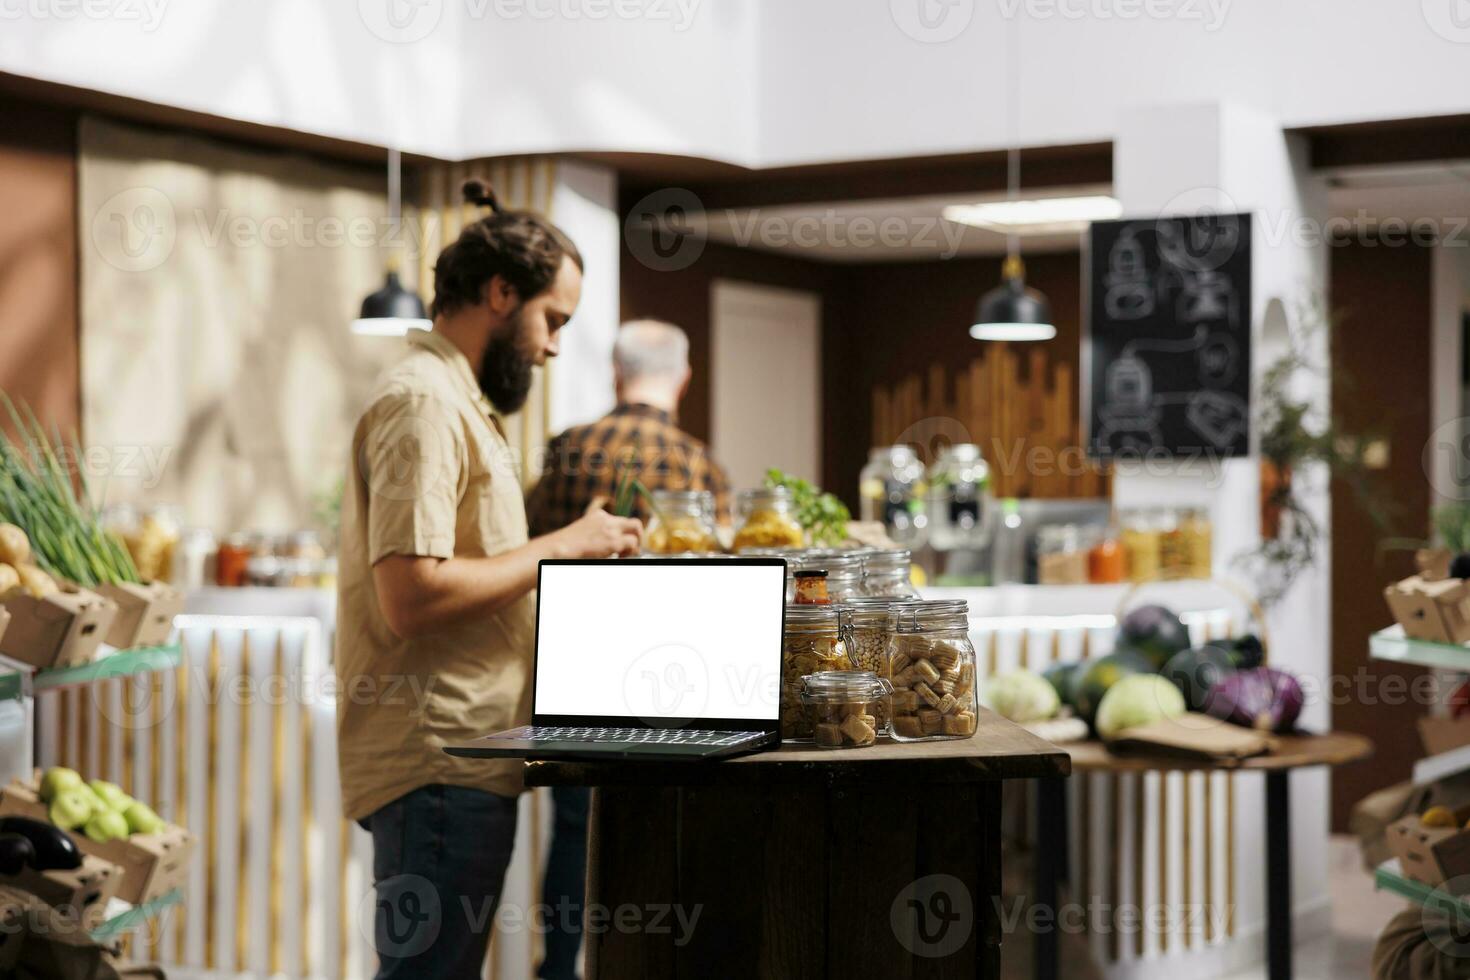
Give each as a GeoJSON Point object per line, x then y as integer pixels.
{"type": "Point", "coordinates": [630, 736]}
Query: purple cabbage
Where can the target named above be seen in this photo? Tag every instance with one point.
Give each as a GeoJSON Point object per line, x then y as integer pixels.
{"type": "Point", "coordinates": [1265, 699]}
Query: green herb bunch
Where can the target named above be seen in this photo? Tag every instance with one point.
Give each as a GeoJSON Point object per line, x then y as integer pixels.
{"type": "Point", "coordinates": [822, 515]}
{"type": "Point", "coordinates": [37, 494]}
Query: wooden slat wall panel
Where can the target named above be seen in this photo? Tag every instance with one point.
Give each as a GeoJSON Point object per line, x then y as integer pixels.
{"type": "Point", "coordinates": [1008, 412]}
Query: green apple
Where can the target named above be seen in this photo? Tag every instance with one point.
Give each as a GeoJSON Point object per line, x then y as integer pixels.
{"type": "Point", "coordinates": [142, 820]}
{"type": "Point", "coordinates": [97, 802]}
{"type": "Point", "coordinates": [106, 825]}
{"type": "Point", "coordinates": [71, 809]}
{"type": "Point", "coordinates": [111, 794]}
{"type": "Point", "coordinates": [58, 779]}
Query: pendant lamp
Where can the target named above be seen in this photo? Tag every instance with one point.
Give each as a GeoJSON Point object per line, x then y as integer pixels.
{"type": "Point", "coordinates": [393, 310]}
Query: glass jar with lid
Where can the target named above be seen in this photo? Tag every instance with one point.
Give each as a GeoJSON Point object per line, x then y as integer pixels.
{"type": "Point", "coordinates": [887, 572]}
{"type": "Point", "coordinates": [844, 574]}
{"type": "Point", "coordinates": [846, 708]}
{"type": "Point", "coordinates": [1061, 558]}
{"type": "Point", "coordinates": [1141, 543]}
{"type": "Point", "coordinates": [1173, 547]}
{"type": "Point", "coordinates": [1106, 562]}
{"type": "Point", "coordinates": [767, 519]}
{"type": "Point", "coordinates": [933, 670]}
{"type": "Point", "coordinates": [871, 624]}
{"type": "Point", "coordinates": [891, 490]}
{"type": "Point", "coordinates": [959, 498]}
{"type": "Point", "coordinates": [683, 521]}
{"type": "Point", "coordinates": [812, 644]}
{"type": "Point", "coordinates": [1195, 528]}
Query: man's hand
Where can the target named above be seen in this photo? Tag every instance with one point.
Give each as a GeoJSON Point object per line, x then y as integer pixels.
{"type": "Point", "coordinates": [598, 534]}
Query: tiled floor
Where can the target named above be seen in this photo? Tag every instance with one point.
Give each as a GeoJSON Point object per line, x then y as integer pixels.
{"type": "Point", "coordinates": [1359, 913]}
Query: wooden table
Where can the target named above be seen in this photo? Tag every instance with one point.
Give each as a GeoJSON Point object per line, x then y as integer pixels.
{"type": "Point", "coordinates": [1292, 752]}
{"type": "Point", "coordinates": [803, 862]}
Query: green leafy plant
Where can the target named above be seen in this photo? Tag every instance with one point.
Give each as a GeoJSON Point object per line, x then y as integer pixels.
{"type": "Point", "coordinates": [42, 496]}
{"type": "Point", "coordinates": [1452, 524]}
{"type": "Point", "coordinates": [822, 515]}
{"type": "Point", "coordinates": [1296, 433]}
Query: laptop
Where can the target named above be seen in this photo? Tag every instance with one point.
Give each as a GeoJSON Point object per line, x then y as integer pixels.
{"type": "Point", "coordinates": [652, 658]}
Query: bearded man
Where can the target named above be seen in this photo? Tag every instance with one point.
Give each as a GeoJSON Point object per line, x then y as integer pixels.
{"type": "Point", "coordinates": [436, 605]}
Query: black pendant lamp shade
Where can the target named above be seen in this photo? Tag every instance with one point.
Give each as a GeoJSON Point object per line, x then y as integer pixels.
{"type": "Point", "coordinates": [391, 311]}
{"type": "Point", "coordinates": [1011, 311]}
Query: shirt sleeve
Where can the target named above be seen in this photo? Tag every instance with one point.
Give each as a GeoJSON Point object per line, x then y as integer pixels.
{"type": "Point", "coordinates": [412, 458]}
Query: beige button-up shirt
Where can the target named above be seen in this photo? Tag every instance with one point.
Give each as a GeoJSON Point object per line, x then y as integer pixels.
{"type": "Point", "coordinates": [431, 475]}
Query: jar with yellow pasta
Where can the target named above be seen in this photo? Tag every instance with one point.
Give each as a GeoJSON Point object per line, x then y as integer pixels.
{"type": "Point", "coordinates": [682, 522]}
{"type": "Point", "coordinates": [767, 519]}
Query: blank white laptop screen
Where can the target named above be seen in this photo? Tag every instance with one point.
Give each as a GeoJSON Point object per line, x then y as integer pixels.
{"type": "Point", "coordinates": [644, 640]}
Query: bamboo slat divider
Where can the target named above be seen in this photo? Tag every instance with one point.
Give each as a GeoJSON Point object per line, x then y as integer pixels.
{"type": "Point", "coordinates": [1010, 410]}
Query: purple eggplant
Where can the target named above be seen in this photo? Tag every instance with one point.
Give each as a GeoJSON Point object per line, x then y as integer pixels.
{"type": "Point", "coordinates": [1264, 698]}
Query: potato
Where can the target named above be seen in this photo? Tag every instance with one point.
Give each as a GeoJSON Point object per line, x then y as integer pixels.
{"type": "Point", "coordinates": [35, 581]}
{"type": "Point", "coordinates": [15, 547]}
{"type": "Point", "coordinates": [9, 580]}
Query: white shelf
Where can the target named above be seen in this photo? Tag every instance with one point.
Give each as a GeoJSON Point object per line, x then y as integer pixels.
{"type": "Point", "coordinates": [1392, 644]}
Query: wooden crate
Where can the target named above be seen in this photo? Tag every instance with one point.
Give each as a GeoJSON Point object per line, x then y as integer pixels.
{"type": "Point", "coordinates": [82, 894]}
{"type": "Point", "coordinates": [1435, 610]}
{"type": "Point", "coordinates": [61, 630]}
{"type": "Point", "coordinates": [145, 613]}
{"type": "Point", "coordinates": [1432, 855]}
{"type": "Point", "coordinates": [150, 865]}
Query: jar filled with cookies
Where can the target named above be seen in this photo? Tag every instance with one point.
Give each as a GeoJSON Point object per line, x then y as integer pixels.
{"type": "Point", "coordinates": [812, 644]}
{"type": "Point", "coordinates": [846, 708]}
{"type": "Point", "coordinates": [933, 672]}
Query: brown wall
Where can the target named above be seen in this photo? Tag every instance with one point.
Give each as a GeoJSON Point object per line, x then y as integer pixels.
{"type": "Point", "coordinates": [38, 261]}
{"type": "Point", "coordinates": [1382, 352]}
{"type": "Point", "coordinates": [683, 297]}
{"type": "Point", "coordinates": [880, 323]}
{"type": "Point", "coordinates": [895, 319]}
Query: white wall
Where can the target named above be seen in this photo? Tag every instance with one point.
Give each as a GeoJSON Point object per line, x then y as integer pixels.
{"type": "Point", "coordinates": [585, 206]}
{"type": "Point", "coordinates": [759, 82]}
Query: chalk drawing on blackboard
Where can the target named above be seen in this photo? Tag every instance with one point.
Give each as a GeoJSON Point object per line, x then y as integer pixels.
{"type": "Point", "coordinates": [1219, 416]}
{"type": "Point", "coordinates": [1204, 243]}
{"type": "Point", "coordinates": [1129, 293]}
{"type": "Point", "coordinates": [1219, 360]}
{"type": "Point", "coordinates": [1206, 295]}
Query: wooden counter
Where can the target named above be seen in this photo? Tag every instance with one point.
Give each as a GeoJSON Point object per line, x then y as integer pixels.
{"type": "Point", "coordinates": [803, 862]}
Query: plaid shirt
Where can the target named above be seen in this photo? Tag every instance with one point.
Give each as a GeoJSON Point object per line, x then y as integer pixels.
{"type": "Point", "coordinates": [587, 461]}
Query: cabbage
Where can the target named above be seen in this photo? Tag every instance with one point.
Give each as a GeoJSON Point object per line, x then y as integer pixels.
{"type": "Point", "coordinates": [1021, 696]}
{"type": "Point", "coordinates": [1136, 700]}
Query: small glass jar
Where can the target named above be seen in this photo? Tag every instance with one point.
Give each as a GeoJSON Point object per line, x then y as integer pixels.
{"type": "Point", "coordinates": [683, 522]}
{"type": "Point", "coordinates": [1060, 557]}
{"type": "Point", "coordinates": [812, 644]}
{"type": "Point", "coordinates": [933, 668]}
{"type": "Point", "coordinates": [846, 708]}
{"type": "Point", "coordinates": [1141, 541]}
{"type": "Point", "coordinates": [1106, 563]}
{"type": "Point", "coordinates": [767, 520]}
{"type": "Point", "coordinates": [891, 490]}
{"type": "Point", "coordinates": [959, 498]}
{"type": "Point", "coordinates": [230, 560]}
{"type": "Point", "coordinates": [887, 573]}
{"type": "Point", "coordinates": [844, 573]}
{"type": "Point", "coordinates": [1173, 547]}
{"type": "Point", "coordinates": [1194, 525]}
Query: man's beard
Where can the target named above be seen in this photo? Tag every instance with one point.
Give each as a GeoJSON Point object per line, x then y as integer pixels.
{"type": "Point", "coordinates": [506, 372]}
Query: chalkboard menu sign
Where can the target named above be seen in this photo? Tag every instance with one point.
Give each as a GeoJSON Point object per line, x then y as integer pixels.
{"type": "Point", "coordinates": [1168, 349]}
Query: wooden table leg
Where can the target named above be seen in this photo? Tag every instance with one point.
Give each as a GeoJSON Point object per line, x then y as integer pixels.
{"type": "Point", "coordinates": [1278, 876]}
{"type": "Point", "coordinates": [1051, 867]}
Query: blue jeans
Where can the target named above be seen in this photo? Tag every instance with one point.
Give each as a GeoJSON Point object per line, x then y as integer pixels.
{"type": "Point", "coordinates": [439, 860]}
{"type": "Point", "coordinates": [564, 888]}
